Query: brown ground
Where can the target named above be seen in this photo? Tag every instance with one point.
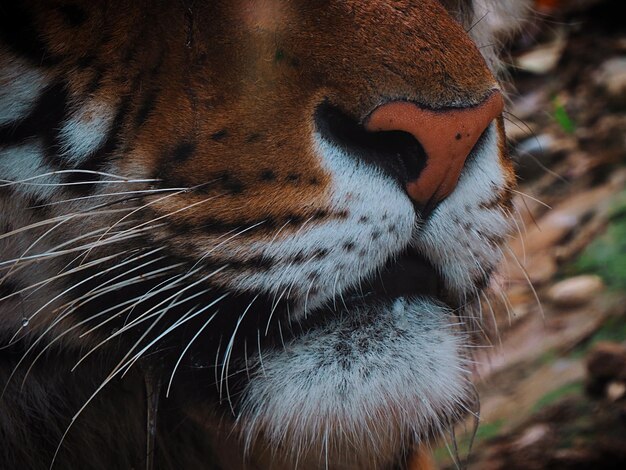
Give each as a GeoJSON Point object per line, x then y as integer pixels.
{"type": "Point", "coordinates": [553, 391]}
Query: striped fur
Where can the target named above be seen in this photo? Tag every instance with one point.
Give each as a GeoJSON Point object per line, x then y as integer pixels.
{"type": "Point", "coordinates": [180, 243]}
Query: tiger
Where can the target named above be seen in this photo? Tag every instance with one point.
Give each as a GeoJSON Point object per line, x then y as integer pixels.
{"type": "Point", "coordinates": [246, 233]}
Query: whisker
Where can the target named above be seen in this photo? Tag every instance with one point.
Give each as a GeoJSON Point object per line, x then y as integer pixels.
{"type": "Point", "coordinates": [519, 231]}
{"type": "Point", "coordinates": [37, 285]}
{"type": "Point", "coordinates": [64, 315]}
{"type": "Point", "coordinates": [184, 319]}
{"type": "Point", "coordinates": [53, 220]}
{"type": "Point", "coordinates": [531, 198]}
{"type": "Point", "coordinates": [147, 315]}
{"type": "Point", "coordinates": [493, 318]}
{"type": "Point", "coordinates": [477, 22]}
{"type": "Point", "coordinates": [275, 303]}
{"type": "Point", "coordinates": [530, 284]}
{"type": "Point", "coordinates": [195, 336]}
{"type": "Point", "coordinates": [93, 263]}
{"type": "Point", "coordinates": [258, 338]}
{"type": "Point", "coordinates": [6, 183]}
{"type": "Point", "coordinates": [115, 371]}
{"type": "Point", "coordinates": [137, 321]}
{"type": "Point", "coordinates": [111, 285]}
{"type": "Point", "coordinates": [228, 352]}
{"type": "Point", "coordinates": [519, 123]}
{"type": "Point", "coordinates": [205, 255]}
{"type": "Point", "coordinates": [51, 326]}
{"type": "Point", "coordinates": [31, 246]}
{"type": "Point", "coordinates": [137, 209]}
{"type": "Point", "coordinates": [119, 178]}
{"type": "Point", "coordinates": [141, 192]}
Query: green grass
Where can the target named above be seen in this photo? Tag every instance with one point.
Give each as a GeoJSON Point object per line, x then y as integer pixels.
{"type": "Point", "coordinates": [606, 255]}
{"type": "Point", "coordinates": [613, 329]}
{"type": "Point", "coordinates": [556, 395]}
{"type": "Point", "coordinates": [485, 432]}
{"type": "Point", "coordinates": [547, 357]}
{"type": "Point", "coordinates": [561, 116]}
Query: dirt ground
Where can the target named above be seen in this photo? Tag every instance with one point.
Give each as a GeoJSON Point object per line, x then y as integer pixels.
{"type": "Point", "coordinates": [553, 385]}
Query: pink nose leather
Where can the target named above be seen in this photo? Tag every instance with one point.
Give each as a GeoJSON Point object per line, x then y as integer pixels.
{"type": "Point", "coordinates": [447, 136]}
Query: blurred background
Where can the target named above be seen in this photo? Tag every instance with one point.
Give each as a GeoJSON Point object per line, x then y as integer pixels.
{"type": "Point", "coordinates": [553, 385]}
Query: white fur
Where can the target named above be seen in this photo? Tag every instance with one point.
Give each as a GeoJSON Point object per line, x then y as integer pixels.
{"type": "Point", "coordinates": [362, 191]}
{"type": "Point", "coordinates": [23, 162]}
{"type": "Point", "coordinates": [86, 130]}
{"type": "Point", "coordinates": [451, 239]}
{"type": "Point", "coordinates": [303, 404]}
{"type": "Point", "coordinates": [494, 21]}
{"type": "Point", "coordinates": [20, 87]}
{"type": "Point", "coordinates": [351, 394]}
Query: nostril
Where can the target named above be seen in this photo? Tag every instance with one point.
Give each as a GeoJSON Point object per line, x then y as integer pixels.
{"type": "Point", "coordinates": [447, 136]}
{"type": "Point", "coordinates": [396, 153]}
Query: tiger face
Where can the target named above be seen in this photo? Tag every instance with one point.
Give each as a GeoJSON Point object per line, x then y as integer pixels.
{"type": "Point", "coordinates": [287, 208]}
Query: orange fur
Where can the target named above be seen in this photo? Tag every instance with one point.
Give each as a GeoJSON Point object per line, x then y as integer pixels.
{"type": "Point", "coordinates": [218, 99]}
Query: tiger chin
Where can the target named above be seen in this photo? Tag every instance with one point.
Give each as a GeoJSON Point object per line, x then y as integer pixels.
{"type": "Point", "coordinates": [245, 233]}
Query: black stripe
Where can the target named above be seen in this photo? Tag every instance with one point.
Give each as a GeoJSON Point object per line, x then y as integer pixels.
{"type": "Point", "coordinates": [269, 224]}
{"type": "Point", "coordinates": [146, 107]}
{"type": "Point", "coordinates": [211, 225]}
{"type": "Point", "coordinates": [18, 32]}
{"type": "Point", "coordinates": [74, 15]}
{"type": "Point", "coordinates": [183, 151]}
{"type": "Point", "coordinates": [44, 121]}
{"type": "Point", "coordinates": [220, 135]}
{"type": "Point", "coordinates": [96, 80]}
{"type": "Point", "coordinates": [149, 97]}
{"type": "Point", "coordinates": [256, 263]}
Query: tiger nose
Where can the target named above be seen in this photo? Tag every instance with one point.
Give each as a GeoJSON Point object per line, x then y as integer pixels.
{"type": "Point", "coordinates": [446, 135]}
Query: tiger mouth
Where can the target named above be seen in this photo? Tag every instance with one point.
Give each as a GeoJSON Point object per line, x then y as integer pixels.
{"type": "Point", "coordinates": [408, 275]}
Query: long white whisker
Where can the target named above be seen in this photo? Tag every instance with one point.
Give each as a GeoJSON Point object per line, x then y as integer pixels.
{"type": "Point", "coordinates": [49, 328]}
{"type": "Point", "coordinates": [113, 373]}
{"type": "Point", "coordinates": [132, 212]}
{"type": "Point", "coordinates": [530, 284]}
{"type": "Point", "coordinates": [228, 352]}
{"type": "Point", "coordinates": [531, 198]}
{"type": "Point", "coordinates": [111, 285]}
{"type": "Point", "coordinates": [148, 314]}
{"type": "Point", "coordinates": [37, 285]}
{"type": "Point", "coordinates": [180, 358]}
{"type": "Point", "coordinates": [57, 250]}
{"type": "Point", "coordinates": [6, 183]}
{"type": "Point", "coordinates": [119, 179]}
{"type": "Point", "coordinates": [184, 319]}
{"type": "Point", "coordinates": [53, 220]}
{"type": "Point", "coordinates": [103, 195]}
{"type": "Point", "coordinates": [64, 315]}
{"type": "Point", "coordinates": [151, 313]}
{"type": "Point", "coordinates": [78, 284]}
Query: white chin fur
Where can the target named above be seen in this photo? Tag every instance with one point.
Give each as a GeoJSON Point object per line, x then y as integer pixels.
{"type": "Point", "coordinates": [353, 393]}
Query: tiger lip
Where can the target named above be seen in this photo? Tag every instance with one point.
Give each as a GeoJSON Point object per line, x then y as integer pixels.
{"type": "Point", "coordinates": [408, 275]}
